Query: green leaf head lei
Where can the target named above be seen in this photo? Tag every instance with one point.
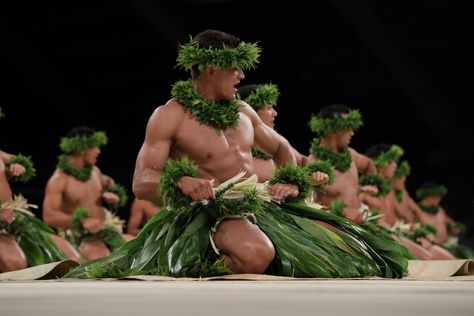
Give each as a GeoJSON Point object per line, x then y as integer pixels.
{"type": "Point", "coordinates": [81, 142]}
{"type": "Point", "coordinates": [263, 95]}
{"type": "Point", "coordinates": [244, 56]}
{"type": "Point", "coordinates": [403, 170]}
{"type": "Point", "coordinates": [323, 126]}
{"type": "Point", "coordinates": [389, 156]}
{"type": "Point", "coordinates": [437, 190]}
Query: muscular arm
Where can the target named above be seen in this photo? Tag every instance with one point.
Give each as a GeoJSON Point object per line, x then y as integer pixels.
{"type": "Point", "coordinates": [105, 180]}
{"type": "Point", "coordinates": [416, 210]}
{"type": "Point", "coordinates": [52, 213]}
{"type": "Point", "coordinates": [448, 220]}
{"type": "Point", "coordinates": [161, 129]}
{"type": "Point", "coordinates": [5, 190]}
{"type": "Point", "coordinates": [402, 215]}
{"type": "Point", "coordinates": [371, 201]}
{"type": "Point", "coordinates": [136, 218]}
{"type": "Point", "coordinates": [268, 140]}
{"type": "Point", "coordinates": [301, 160]}
{"type": "Point", "coordinates": [6, 157]}
{"type": "Point", "coordinates": [363, 163]}
{"type": "Point", "coordinates": [453, 231]}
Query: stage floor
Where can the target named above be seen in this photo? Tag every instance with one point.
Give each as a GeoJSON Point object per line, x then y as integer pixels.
{"type": "Point", "coordinates": [309, 297]}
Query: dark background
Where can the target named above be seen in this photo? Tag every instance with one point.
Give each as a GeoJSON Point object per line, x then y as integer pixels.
{"type": "Point", "coordinates": [405, 64]}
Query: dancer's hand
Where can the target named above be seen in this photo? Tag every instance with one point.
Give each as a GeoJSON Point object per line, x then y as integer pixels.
{"type": "Point", "coordinates": [197, 189]}
{"type": "Point", "coordinates": [425, 243]}
{"type": "Point", "coordinates": [16, 169]}
{"type": "Point", "coordinates": [354, 215]}
{"type": "Point", "coordinates": [280, 191]}
{"type": "Point", "coordinates": [93, 225]}
{"type": "Point", "coordinates": [369, 189]}
{"type": "Point", "coordinates": [318, 178]}
{"type": "Point", "coordinates": [110, 197]}
{"type": "Point", "coordinates": [7, 215]}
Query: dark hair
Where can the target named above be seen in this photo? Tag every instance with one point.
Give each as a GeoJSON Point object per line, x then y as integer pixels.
{"type": "Point", "coordinates": [244, 91]}
{"type": "Point", "coordinates": [376, 150]}
{"type": "Point", "coordinates": [213, 39]}
{"type": "Point", "coordinates": [333, 110]}
{"type": "Point", "coordinates": [81, 131]}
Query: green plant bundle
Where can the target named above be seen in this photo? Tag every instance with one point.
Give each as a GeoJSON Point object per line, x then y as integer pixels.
{"type": "Point", "coordinates": [296, 175]}
{"type": "Point", "coordinates": [325, 167]}
{"type": "Point", "coordinates": [337, 207]}
{"type": "Point", "coordinates": [173, 170]}
{"type": "Point", "coordinates": [380, 182]}
{"type": "Point", "coordinates": [423, 231]}
{"type": "Point", "coordinates": [26, 162]}
{"type": "Point", "coordinates": [121, 193]}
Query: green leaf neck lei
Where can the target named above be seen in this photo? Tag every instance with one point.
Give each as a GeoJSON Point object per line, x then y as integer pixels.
{"type": "Point", "coordinates": [399, 195]}
{"type": "Point", "coordinates": [429, 209]}
{"type": "Point", "coordinates": [81, 174]}
{"type": "Point", "coordinates": [220, 115]}
{"type": "Point", "coordinates": [341, 160]}
{"type": "Point", "coordinates": [260, 155]}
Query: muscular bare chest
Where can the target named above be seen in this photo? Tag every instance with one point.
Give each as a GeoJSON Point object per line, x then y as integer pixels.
{"type": "Point", "coordinates": [83, 194]}
{"type": "Point", "coordinates": [220, 153]}
{"type": "Point", "coordinates": [403, 208]}
{"type": "Point", "coordinates": [437, 220]}
{"type": "Point", "coordinates": [345, 184]}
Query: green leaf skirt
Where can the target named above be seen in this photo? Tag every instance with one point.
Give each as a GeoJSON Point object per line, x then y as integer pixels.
{"type": "Point", "coordinates": [177, 244]}
{"type": "Point", "coordinates": [32, 235]}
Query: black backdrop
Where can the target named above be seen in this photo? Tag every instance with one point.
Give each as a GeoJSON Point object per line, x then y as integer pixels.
{"type": "Point", "coordinates": [404, 64]}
